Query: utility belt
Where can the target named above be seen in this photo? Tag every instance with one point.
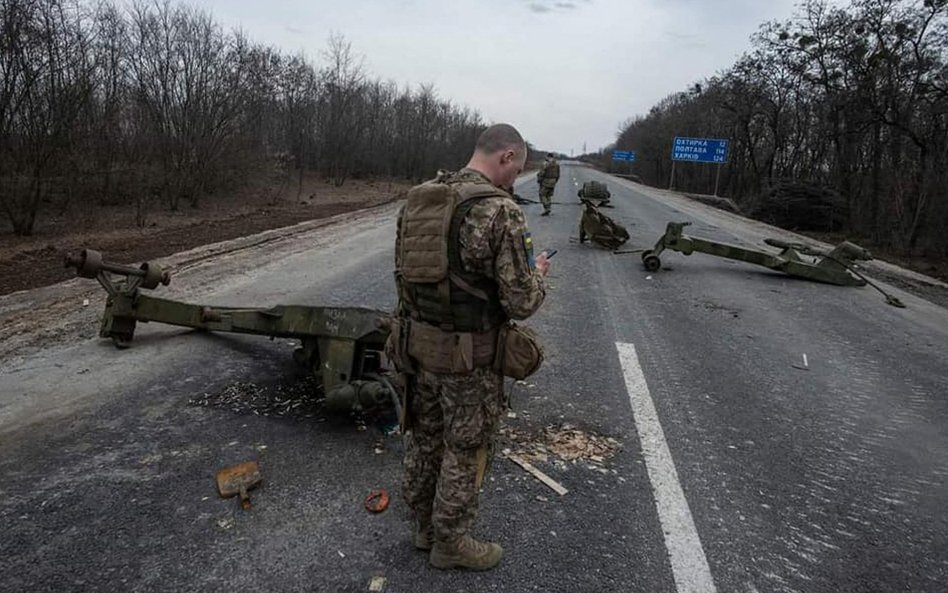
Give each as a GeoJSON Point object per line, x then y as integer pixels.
{"type": "Point", "coordinates": [512, 350]}
{"type": "Point", "coordinates": [439, 351]}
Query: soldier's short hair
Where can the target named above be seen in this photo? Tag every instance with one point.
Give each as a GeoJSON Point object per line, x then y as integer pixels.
{"type": "Point", "coordinates": [500, 137]}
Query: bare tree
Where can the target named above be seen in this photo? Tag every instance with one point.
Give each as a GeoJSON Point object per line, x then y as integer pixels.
{"type": "Point", "coordinates": [849, 99]}
{"type": "Point", "coordinates": [157, 103]}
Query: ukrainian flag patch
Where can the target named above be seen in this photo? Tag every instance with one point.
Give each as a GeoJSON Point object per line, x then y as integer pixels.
{"type": "Point", "coordinates": [528, 247]}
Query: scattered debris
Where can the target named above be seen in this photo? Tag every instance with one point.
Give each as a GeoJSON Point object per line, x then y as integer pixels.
{"type": "Point", "coordinates": [376, 501]}
{"type": "Point", "coordinates": [553, 484]}
{"type": "Point", "coordinates": [297, 399]}
{"type": "Point", "coordinates": [226, 523]}
{"type": "Point", "coordinates": [565, 442]}
{"type": "Point", "coordinates": [238, 479]}
{"type": "Point", "coordinates": [377, 584]}
{"type": "Point", "coordinates": [806, 364]}
{"type": "Point", "coordinates": [341, 555]}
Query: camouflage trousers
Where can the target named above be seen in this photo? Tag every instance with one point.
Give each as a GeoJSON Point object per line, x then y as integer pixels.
{"type": "Point", "coordinates": [546, 197]}
{"type": "Point", "coordinates": [453, 416]}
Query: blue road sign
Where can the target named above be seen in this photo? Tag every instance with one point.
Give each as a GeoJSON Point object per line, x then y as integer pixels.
{"type": "Point", "coordinates": [623, 155]}
{"type": "Point", "coordinates": [700, 150]}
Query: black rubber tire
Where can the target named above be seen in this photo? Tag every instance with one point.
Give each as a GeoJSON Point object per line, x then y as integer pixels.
{"type": "Point", "coordinates": [652, 262]}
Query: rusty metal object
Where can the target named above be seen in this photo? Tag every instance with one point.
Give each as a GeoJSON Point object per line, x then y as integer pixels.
{"type": "Point", "coordinates": [342, 346]}
{"type": "Point", "coordinates": [377, 501]}
{"type": "Point", "coordinates": [238, 480]}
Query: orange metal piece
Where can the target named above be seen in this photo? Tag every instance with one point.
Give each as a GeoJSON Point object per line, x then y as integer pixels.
{"type": "Point", "coordinates": [238, 479]}
{"type": "Point", "coordinates": [376, 501]}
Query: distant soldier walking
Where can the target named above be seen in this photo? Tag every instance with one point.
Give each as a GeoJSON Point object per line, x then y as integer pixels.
{"type": "Point", "coordinates": [464, 267]}
{"type": "Point", "coordinates": [547, 177]}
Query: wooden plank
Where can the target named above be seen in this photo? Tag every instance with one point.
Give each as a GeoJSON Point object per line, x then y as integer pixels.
{"type": "Point", "coordinates": [526, 465]}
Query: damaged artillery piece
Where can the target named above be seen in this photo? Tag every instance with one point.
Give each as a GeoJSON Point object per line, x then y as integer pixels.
{"type": "Point", "coordinates": [837, 266]}
{"type": "Point", "coordinates": [342, 346]}
{"type": "Point", "coordinates": [595, 192]}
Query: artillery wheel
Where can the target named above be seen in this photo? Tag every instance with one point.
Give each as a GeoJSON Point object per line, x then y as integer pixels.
{"type": "Point", "coordinates": [652, 262]}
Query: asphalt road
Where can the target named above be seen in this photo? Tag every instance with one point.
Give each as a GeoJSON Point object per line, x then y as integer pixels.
{"type": "Point", "coordinates": [737, 470]}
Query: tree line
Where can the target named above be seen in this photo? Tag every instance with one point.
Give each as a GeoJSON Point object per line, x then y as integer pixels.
{"type": "Point", "coordinates": [841, 105]}
{"type": "Point", "coordinates": [156, 104]}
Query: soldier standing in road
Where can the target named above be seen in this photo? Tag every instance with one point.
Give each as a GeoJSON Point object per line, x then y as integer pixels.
{"type": "Point", "coordinates": [547, 177]}
{"type": "Point", "coordinates": [464, 268]}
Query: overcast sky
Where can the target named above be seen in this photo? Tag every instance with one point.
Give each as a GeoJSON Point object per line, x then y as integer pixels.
{"type": "Point", "coordinates": [565, 72]}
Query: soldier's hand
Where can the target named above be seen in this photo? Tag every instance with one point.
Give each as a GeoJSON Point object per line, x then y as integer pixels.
{"type": "Point", "coordinates": [542, 264]}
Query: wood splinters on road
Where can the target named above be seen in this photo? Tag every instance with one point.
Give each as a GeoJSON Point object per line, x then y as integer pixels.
{"type": "Point", "coordinates": [526, 465]}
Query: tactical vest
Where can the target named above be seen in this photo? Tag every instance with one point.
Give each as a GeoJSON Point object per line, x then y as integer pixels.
{"type": "Point", "coordinates": [549, 174]}
{"type": "Point", "coordinates": [552, 171]}
{"type": "Point", "coordinates": [433, 285]}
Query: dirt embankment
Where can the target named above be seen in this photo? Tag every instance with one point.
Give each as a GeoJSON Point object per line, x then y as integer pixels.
{"type": "Point", "coordinates": [32, 262]}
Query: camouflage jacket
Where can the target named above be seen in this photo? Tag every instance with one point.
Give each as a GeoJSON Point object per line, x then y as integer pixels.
{"type": "Point", "coordinates": [548, 175]}
{"type": "Point", "coordinates": [494, 242]}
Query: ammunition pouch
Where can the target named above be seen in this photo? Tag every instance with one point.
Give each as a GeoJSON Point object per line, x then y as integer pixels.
{"type": "Point", "coordinates": [396, 346]}
{"type": "Point", "coordinates": [519, 352]}
{"type": "Point", "coordinates": [438, 351]}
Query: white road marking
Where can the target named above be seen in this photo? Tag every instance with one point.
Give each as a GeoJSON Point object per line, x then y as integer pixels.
{"type": "Point", "coordinates": [688, 562]}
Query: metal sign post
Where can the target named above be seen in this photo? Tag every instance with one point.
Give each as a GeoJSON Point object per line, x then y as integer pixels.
{"type": "Point", "coordinates": [624, 155]}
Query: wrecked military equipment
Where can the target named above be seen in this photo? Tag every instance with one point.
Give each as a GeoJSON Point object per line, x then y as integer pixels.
{"type": "Point", "coordinates": [342, 346]}
{"type": "Point", "coordinates": [837, 266]}
{"type": "Point", "coordinates": [595, 191]}
{"type": "Point", "coordinates": [599, 228]}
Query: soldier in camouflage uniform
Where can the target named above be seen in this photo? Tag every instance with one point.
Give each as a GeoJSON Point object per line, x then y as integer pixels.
{"type": "Point", "coordinates": [599, 228]}
{"type": "Point", "coordinates": [547, 177]}
{"type": "Point", "coordinates": [454, 390]}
